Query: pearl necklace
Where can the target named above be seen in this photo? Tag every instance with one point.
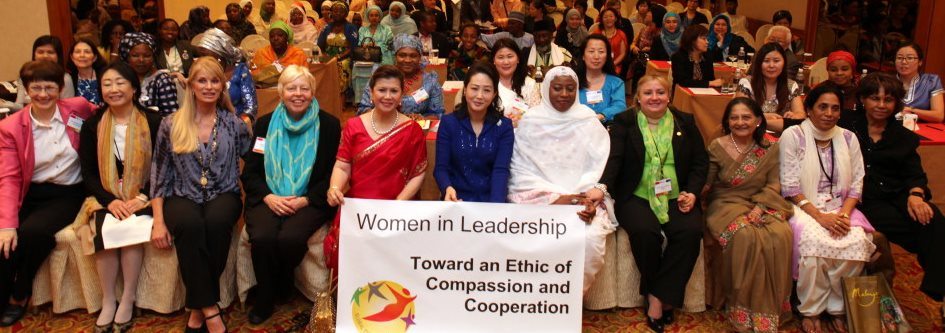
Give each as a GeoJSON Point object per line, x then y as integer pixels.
{"type": "Point", "coordinates": [374, 123]}
{"type": "Point", "coordinates": [732, 136]}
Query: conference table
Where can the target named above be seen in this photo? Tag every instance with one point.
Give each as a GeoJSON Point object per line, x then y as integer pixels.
{"type": "Point", "coordinates": [665, 69]}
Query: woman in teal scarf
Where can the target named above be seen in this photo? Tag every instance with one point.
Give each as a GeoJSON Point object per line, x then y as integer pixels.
{"type": "Point", "coordinates": [656, 170]}
{"type": "Point", "coordinates": [285, 178]}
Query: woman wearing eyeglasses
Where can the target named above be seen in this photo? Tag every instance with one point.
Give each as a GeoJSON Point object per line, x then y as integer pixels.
{"type": "Point", "coordinates": [923, 90]}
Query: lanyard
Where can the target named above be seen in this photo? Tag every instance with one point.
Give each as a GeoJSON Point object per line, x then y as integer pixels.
{"type": "Point", "coordinates": [832, 166]}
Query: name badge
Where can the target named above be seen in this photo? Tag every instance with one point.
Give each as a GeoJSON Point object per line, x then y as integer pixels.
{"type": "Point", "coordinates": [594, 96]}
{"type": "Point", "coordinates": [829, 203]}
{"type": "Point", "coordinates": [279, 66]}
{"type": "Point", "coordinates": [663, 186]}
{"type": "Point", "coordinates": [260, 146]}
{"type": "Point", "coordinates": [76, 123]}
{"type": "Point", "coordinates": [420, 95]}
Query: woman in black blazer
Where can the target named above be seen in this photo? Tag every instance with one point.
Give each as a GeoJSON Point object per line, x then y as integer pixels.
{"type": "Point", "coordinates": [286, 178]}
{"type": "Point", "coordinates": [648, 146]}
{"type": "Point", "coordinates": [692, 54]}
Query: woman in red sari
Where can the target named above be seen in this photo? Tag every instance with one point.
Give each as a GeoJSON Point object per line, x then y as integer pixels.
{"type": "Point", "coordinates": [382, 154]}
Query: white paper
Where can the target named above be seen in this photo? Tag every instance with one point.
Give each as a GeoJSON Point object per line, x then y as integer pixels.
{"type": "Point", "coordinates": [133, 230]}
{"type": "Point", "coordinates": [452, 85]}
{"type": "Point", "coordinates": [704, 91]}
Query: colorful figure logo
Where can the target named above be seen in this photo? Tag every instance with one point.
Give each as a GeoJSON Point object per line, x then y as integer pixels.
{"type": "Point", "coordinates": [382, 307]}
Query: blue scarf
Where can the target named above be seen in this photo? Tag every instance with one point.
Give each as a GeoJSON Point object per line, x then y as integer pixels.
{"type": "Point", "coordinates": [671, 39]}
{"type": "Point", "coordinates": [714, 40]}
{"type": "Point", "coordinates": [291, 147]}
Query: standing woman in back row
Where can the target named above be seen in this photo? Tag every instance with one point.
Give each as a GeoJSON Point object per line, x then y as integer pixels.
{"type": "Point", "coordinates": [195, 188]}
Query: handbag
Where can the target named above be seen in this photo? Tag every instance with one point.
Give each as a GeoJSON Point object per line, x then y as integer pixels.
{"type": "Point", "coordinates": [871, 306]}
{"type": "Point", "coordinates": [367, 53]}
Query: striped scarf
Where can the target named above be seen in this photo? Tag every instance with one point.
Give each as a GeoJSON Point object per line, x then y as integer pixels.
{"type": "Point", "coordinates": [137, 155]}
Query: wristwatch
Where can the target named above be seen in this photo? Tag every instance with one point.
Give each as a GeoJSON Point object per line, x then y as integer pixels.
{"type": "Point", "coordinates": [918, 194]}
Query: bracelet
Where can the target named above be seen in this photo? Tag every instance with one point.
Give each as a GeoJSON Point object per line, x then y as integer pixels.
{"type": "Point", "coordinates": [918, 194]}
{"type": "Point", "coordinates": [602, 188]}
{"type": "Point", "coordinates": [844, 215]}
{"type": "Point", "coordinates": [802, 203]}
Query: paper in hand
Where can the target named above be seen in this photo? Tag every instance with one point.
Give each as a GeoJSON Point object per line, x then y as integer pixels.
{"type": "Point", "coordinates": [133, 230]}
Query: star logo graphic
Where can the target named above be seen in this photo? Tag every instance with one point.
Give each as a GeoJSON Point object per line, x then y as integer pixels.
{"type": "Point", "coordinates": [375, 290]}
{"type": "Point", "coordinates": [356, 298]}
{"type": "Point", "coordinates": [408, 320]}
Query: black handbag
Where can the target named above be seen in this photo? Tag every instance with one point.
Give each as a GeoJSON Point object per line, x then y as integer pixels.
{"type": "Point", "coordinates": [367, 53]}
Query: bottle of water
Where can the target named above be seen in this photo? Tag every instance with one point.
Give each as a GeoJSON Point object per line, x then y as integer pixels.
{"type": "Point", "coordinates": [741, 54]}
{"type": "Point", "coordinates": [802, 81]}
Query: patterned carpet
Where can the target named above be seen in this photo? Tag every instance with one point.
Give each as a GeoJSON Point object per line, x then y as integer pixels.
{"type": "Point", "coordinates": [921, 312]}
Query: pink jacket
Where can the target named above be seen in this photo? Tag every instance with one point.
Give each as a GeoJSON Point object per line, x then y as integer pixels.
{"type": "Point", "coordinates": [17, 156]}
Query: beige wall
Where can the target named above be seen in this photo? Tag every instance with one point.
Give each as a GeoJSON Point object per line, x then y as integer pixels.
{"type": "Point", "coordinates": [21, 22]}
{"type": "Point", "coordinates": [763, 9]}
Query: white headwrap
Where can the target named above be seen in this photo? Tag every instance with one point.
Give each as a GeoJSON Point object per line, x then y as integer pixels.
{"type": "Point", "coordinates": [558, 152]}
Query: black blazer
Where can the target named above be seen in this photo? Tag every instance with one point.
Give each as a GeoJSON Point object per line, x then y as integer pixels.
{"type": "Point", "coordinates": [160, 60]}
{"type": "Point", "coordinates": [627, 153]}
{"type": "Point", "coordinates": [440, 42]}
{"type": "Point", "coordinates": [657, 51]}
{"type": "Point", "coordinates": [88, 156]}
{"type": "Point", "coordinates": [254, 169]}
{"type": "Point", "coordinates": [683, 69]}
{"type": "Point", "coordinates": [473, 10]}
{"type": "Point", "coordinates": [715, 52]}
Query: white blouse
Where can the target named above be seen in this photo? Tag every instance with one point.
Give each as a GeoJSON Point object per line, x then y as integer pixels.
{"type": "Point", "coordinates": [55, 161]}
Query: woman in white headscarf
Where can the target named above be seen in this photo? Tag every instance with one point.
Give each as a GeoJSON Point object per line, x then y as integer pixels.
{"type": "Point", "coordinates": [398, 20]}
{"type": "Point", "coordinates": [561, 173]}
{"type": "Point", "coordinates": [302, 29]}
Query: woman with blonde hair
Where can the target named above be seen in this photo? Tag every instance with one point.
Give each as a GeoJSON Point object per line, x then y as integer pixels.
{"type": "Point", "coordinates": [286, 184]}
{"type": "Point", "coordinates": [195, 188]}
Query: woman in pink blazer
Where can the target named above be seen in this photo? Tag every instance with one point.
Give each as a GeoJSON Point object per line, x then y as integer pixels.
{"type": "Point", "coordinates": [40, 181]}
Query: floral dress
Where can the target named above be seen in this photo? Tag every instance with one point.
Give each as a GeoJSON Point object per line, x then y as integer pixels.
{"type": "Point", "coordinates": [338, 44]}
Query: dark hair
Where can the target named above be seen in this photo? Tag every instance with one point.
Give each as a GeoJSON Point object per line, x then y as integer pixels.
{"type": "Point", "coordinates": [521, 71]}
{"type": "Point", "coordinates": [97, 65]}
{"type": "Point", "coordinates": [35, 71]}
{"type": "Point", "coordinates": [169, 20]}
{"type": "Point", "coordinates": [109, 26]}
{"type": "Point", "coordinates": [690, 35]}
{"type": "Point", "coordinates": [467, 26]}
{"type": "Point", "coordinates": [758, 85]}
{"type": "Point", "coordinates": [423, 15]}
{"type": "Point", "coordinates": [826, 87]}
{"type": "Point", "coordinates": [48, 40]}
{"type": "Point", "coordinates": [540, 4]}
{"type": "Point", "coordinates": [495, 108]}
{"type": "Point", "coordinates": [578, 3]}
{"type": "Point", "coordinates": [873, 82]}
{"type": "Point", "coordinates": [600, 17]}
{"type": "Point", "coordinates": [128, 74]}
{"type": "Point", "coordinates": [759, 134]}
{"type": "Point", "coordinates": [219, 22]}
{"type": "Point", "coordinates": [782, 14]}
{"type": "Point", "coordinates": [386, 72]}
{"type": "Point", "coordinates": [237, 6]}
{"type": "Point", "coordinates": [641, 3]}
{"type": "Point", "coordinates": [912, 44]}
{"type": "Point", "coordinates": [581, 68]}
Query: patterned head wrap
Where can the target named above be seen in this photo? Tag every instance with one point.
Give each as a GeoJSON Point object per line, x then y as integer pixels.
{"type": "Point", "coordinates": [411, 41]}
{"type": "Point", "coordinates": [221, 44]}
{"type": "Point", "coordinates": [132, 39]}
{"type": "Point", "coordinates": [340, 3]}
{"type": "Point", "coordinates": [842, 55]}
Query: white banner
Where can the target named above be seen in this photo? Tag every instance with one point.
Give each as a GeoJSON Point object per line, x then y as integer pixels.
{"type": "Point", "coordinates": [432, 266]}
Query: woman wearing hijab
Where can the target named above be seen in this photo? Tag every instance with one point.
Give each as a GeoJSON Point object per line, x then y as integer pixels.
{"type": "Point", "coordinates": [378, 33]}
{"type": "Point", "coordinates": [423, 93]}
{"type": "Point", "coordinates": [158, 90]}
{"type": "Point", "coordinates": [239, 22]}
{"type": "Point", "coordinates": [198, 21]}
{"type": "Point", "coordinates": [286, 185]}
{"type": "Point", "coordinates": [563, 172]}
{"type": "Point", "coordinates": [337, 40]}
{"type": "Point", "coordinates": [399, 22]}
{"type": "Point", "coordinates": [722, 42]}
{"type": "Point", "coordinates": [217, 44]}
{"type": "Point", "coordinates": [266, 17]}
{"type": "Point", "coordinates": [572, 32]}
{"type": "Point", "coordinates": [278, 55]}
{"type": "Point", "coordinates": [303, 30]}
{"type": "Point", "coordinates": [670, 36]}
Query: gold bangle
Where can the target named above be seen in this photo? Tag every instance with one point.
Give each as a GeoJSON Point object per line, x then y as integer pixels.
{"type": "Point", "coordinates": [844, 215]}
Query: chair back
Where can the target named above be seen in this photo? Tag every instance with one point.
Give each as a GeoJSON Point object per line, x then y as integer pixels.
{"type": "Point", "coordinates": [818, 72]}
